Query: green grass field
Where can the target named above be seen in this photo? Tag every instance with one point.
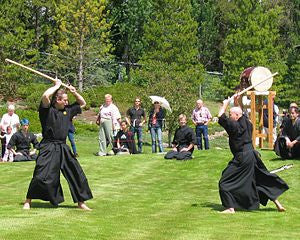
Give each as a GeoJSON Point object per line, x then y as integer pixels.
{"type": "Point", "coordinates": [146, 197]}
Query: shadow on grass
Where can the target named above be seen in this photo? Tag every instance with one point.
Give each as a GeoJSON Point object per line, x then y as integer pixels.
{"type": "Point", "coordinates": [48, 205]}
{"type": "Point", "coordinates": [219, 208]}
{"type": "Point", "coordinates": [213, 206]}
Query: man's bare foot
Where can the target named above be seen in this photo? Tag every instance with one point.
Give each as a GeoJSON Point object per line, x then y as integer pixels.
{"type": "Point", "coordinates": [280, 208]}
{"type": "Point", "coordinates": [27, 204]}
{"type": "Point", "coordinates": [83, 206]}
{"type": "Point", "coordinates": [228, 210]}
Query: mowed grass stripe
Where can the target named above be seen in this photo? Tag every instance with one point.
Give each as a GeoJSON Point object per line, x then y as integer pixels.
{"type": "Point", "coordinates": [146, 197]}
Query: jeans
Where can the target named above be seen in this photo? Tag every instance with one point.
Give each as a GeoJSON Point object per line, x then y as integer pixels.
{"type": "Point", "coordinates": [139, 133]}
{"type": "Point", "coordinates": [72, 141]}
{"type": "Point", "coordinates": [156, 131]}
{"type": "Point", "coordinates": [202, 130]}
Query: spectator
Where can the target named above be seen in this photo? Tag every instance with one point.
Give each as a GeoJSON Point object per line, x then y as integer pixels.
{"type": "Point", "coordinates": [136, 118]}
{"type": "Point", "coordinates": [288, 143]}
{"type": "Point", "coordinates": [125, 140]}
{"type": "Point", "coordinates": [8, 155]}
{"type": "Point", "coordinates": [183, 142]}
{"type": "Point", "coordinates": [108, 120]}
{"type": "Point", "coordinates": [266, 118]}
{"type": "Point", "coordinates": [71, 138]}
{"type": "Point", "coordinates": [22, 140]}
{"type": "Point", "coordinates": [155, 125]}
{"type": "Point", "coordinates": [201, 117]}
{"type": "Point", "coordinates": [9, 119]}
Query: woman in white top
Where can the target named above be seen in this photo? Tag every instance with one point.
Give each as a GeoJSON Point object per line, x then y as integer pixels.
{"type": "Point", "coordinates": [108, 120]}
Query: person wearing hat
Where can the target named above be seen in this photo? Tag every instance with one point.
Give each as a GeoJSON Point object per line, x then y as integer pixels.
{"type": "Point", "coordinates": [22, 141]}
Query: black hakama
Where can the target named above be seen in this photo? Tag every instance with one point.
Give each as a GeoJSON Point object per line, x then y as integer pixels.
{"type": "Point", "coordinates": [246, 182]}
{"type": "Point", "coordinates": [55, 156]}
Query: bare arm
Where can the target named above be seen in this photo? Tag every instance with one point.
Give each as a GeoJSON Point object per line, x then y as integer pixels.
{"type": "Point", "coordinates": [46, 97]}
{"type": "Point", "coordinates": [223, 108]}
{"type": "Point", "coordinates": [79, 99]}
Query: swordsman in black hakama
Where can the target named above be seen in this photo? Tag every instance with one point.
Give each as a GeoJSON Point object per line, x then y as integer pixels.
{"type": "Point", "coordinates": [245, 182]}
{"type": "Point", "coordinates": [55, 155]}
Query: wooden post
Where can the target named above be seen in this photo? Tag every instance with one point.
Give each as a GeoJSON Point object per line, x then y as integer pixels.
{"type": "Point", "coordinates": [258, 106]}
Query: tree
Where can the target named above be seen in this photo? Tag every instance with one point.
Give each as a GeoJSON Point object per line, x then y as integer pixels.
{"type": "Point", "coordinates": [253, 40]}
{"type": "Point", "coordinates": [83, 39]}
{"type": "Point", "coordinates": [128, 19]}
{"type": "Point", "coordinates": [207, 14]}
{"type": "Point", "coordinates": [290, 35]}
{"type": "Point", "coordinates": [170, 67]}
{"type": "Point", "coordinates": [24, 33]}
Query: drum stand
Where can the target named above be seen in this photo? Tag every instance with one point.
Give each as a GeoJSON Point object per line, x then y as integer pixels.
{"type": "Point", "coordinates": [256, 116]}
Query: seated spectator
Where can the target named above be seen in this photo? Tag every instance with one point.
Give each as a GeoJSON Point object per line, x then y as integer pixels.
{"type": "Point", "coordinates": [124, 141]}
{"type": "Point", "coordinates": [21, 140]}
{"type": "Point", "coordinates": [9, 119]}
{"type": "Point", "coordinates": [183, 142]}
{"type": "Point", "coordinates": [288, 142]}
{"type": "Point", "coordinates": [8, 155]}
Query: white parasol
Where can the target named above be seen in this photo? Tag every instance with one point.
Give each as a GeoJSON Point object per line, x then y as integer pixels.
{"type": "Point", "coordinates": [163, 102]}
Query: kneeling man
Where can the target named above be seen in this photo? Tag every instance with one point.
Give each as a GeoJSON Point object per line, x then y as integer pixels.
{"type": "Point", "coordinates": [183, 142]}
{"type": "Point", "coordinates": [22, 141]}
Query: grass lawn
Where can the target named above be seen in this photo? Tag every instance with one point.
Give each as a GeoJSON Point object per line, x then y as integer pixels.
{"type": "Point", "coordinates": [146, 197]}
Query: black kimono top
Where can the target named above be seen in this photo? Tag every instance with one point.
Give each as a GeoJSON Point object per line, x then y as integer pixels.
{"type": "Point", "coordinates": [240, 132]}
{"type": "Point", "coordinates": [22, 142]}
{"type": "Point", "coordinates": [290, 130]}
{"type": "Point", "coordinates": [55, 123]}
{"type": "Point", "coordinates": [126, 139]}
{"type": "Point", "coordinates": [136, 116]}
{"type": "Point", "coordinates": [183, 137]}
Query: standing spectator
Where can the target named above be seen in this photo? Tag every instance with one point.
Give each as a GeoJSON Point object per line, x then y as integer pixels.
{"type": "Point", "coordinates": [8, 155]}
{"type": "Point", "coordinates": [108, 120]}
{"type": "Point", "coordinates": [135, 121]}
{"type": "Point", "coordinates": [266, 119]}
{"type": "Point", "coordinates": [201, 117]}
{"type": "Point", "coordinates": [71, 138]}
{"type": "Point", "coordinates": [9, 119]}
{"type": "Point", "coordinates": [155, 124]}
{"type": "Point", "coordinates": [183, 142]}
{"type": "Point", "coordinates": [22, 140]}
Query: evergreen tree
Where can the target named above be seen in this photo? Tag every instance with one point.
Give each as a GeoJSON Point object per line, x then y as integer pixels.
{"type": "Point", "coordinates": [290, 34]}
{"type": "Point", "coordinates": [83, 41]}
{"type": "Point", "coordinates": [128, 19]}
{"type": "Point", "coordinates": [24, 33]}
{"type": "Point", "coordinates": [207, 15]}
{"type": "Point", "coordinates": [253, 40]}
{"type": "Point", "coordinates": [169, 65]}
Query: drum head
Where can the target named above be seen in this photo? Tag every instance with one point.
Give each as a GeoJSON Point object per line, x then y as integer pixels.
{"type": "Point", "coordinates": [257, 77]}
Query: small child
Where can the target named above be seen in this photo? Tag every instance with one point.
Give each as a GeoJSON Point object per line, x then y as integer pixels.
{"type": "Point", "coordinates": [8, 155]}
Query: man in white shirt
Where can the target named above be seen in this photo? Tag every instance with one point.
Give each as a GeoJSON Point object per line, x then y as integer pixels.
{"type": "Point", "coordinates": [9, 119]}
{"type": "Point", "coordinates": [108, 119]}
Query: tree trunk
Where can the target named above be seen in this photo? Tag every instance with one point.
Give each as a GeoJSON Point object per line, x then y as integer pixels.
{"type": "Point", "coordinates": [169, 138]}
{"type": "Point", "coordinates": [80, 70]}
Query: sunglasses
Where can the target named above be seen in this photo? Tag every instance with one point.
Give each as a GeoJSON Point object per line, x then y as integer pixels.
{"type": "Point", "coordinates": [156, 102]}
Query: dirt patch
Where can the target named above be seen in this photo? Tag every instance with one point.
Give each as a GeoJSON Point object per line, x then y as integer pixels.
{"type": "Point", "coordinates": [89, 116]}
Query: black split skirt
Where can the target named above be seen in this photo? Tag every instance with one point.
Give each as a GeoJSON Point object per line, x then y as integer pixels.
{"type": "Point", "coordinates": [45, 185]}
{"type": "Point", "coordinates": [246, 182]}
